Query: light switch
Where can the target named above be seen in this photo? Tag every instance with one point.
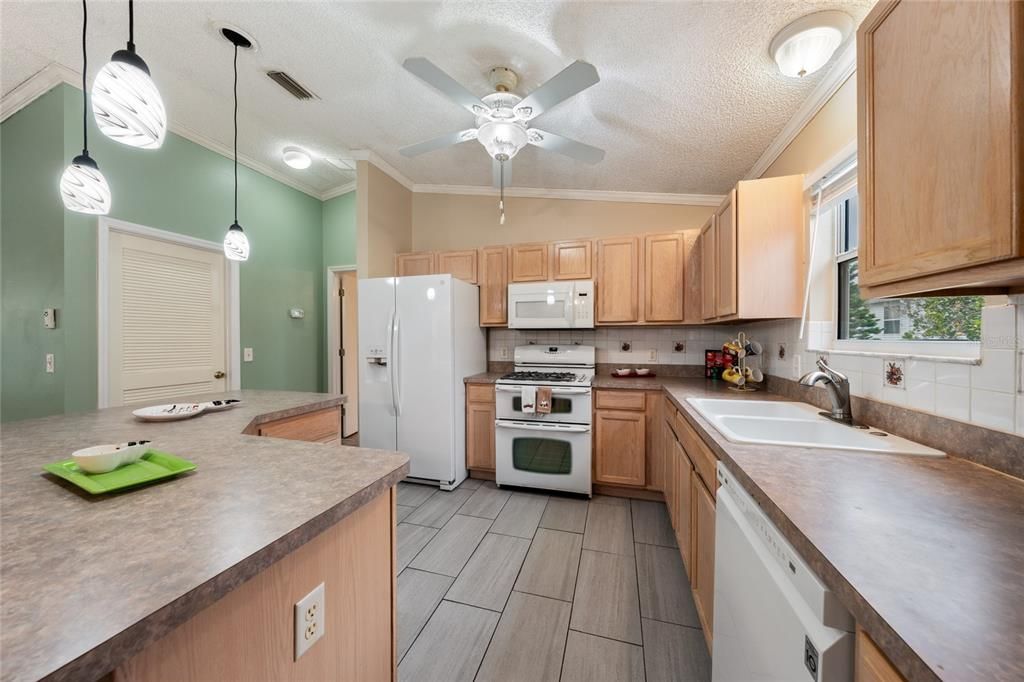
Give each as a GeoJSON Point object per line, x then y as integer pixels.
{"type": "Point", "coordinates": [247, 354]}
{"type": "Point", "coordinates": [49, 363]}
{"type": "Point", "coordinates": [50, 318]}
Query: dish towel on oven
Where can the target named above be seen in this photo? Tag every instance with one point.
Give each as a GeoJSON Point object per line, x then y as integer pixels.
{"type": "Point", "coordinates": [544, 400]}
{"type": "Point", "coordinates": [529, 397]}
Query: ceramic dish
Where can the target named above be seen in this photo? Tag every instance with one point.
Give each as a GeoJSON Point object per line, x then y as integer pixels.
{"type": "Point", "coordinates": [166, 413]}
{"type": "Point", "coordinates": [218, 405]}
{"type": "Point", "coordinates": [152, 466]}
{"type": "Point", "coordinates": [99, 459]}
{"type": "Point", "coordinates": [643, 372]}
{"type": "Point", "coordinates": [622, 372]}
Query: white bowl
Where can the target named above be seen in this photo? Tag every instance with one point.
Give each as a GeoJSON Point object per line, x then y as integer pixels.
{"type": "Point", "coordinates": [623, 372]}
{"type": "Point", "coordinates": [643, 372]}
{"type": "Point", "coordinates": [99, 459]}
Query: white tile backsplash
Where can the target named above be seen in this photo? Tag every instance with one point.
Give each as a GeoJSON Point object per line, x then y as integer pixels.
{"type": "Point", "coordinates": [989, 394]}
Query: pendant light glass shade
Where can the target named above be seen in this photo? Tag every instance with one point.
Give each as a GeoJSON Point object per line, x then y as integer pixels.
{"type": "Point", "coordinates": [236, 244]}
{"type": "Point", "coordinates": [83, 187]}
{"type": "Point", "coordinates": [126, 104]}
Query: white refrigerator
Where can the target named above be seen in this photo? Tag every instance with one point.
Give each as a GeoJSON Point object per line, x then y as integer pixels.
{"type": "Point", "coordinates": [418, 338]}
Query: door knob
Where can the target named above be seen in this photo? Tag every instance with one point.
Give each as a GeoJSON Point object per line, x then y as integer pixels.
{"type": "Point", "coordinates": [218, 374]}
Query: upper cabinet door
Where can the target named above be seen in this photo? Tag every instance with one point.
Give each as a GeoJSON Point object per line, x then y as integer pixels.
{"type": "Point", "coordinates": [493, 286]}
{"type": "Point", "coordinates": [459, 264]}
{"type": "Point", "coordinates": [415, 263]}
{"type": "Point", "coordinates": [725, 257]}
{"type": "Point", "coordinates": [664, 277]}
{"type": "Point", "coordinates": [708, 269]}
{"type": "Point", "coordinates": [941, 140]}
{"type": "Point", "coordinates": [571, 260]}
{"type": "Point", "coordinates": [617, 280]}
{"type": "Point", "coordinates": [530, 262]}
{"type": "Point", "coordinates": [693, 312]}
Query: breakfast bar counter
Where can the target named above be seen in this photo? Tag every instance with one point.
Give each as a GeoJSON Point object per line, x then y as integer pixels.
{"type": "Point", "coordinates": [89, 581]}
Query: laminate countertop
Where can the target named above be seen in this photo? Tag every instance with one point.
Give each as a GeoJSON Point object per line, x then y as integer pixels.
{"type": "Point", "coordinates": [87, 581]}
{"type": "Point", "coordinates": [926, 553]}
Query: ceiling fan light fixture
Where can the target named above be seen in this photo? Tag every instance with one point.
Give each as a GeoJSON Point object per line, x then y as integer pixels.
{"type": "Point", "coordinates": [502, 139]}
{"type": "Point", "coordinates": [125, 102]}
{"type": "Point", "coordinates": [297, 158]}
{"type": "Point", "coordinates": [807, 44]}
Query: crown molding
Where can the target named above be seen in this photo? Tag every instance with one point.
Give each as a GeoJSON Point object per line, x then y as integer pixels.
{"type": "Point", "coordinates": [844, 67]}
{"type": "Point", "coordinates": [338, 191]}
{"type": "Point", "coordinates": [54, 74]}
{"type": "Point", "coordinates": [375, 158]}
{"type": "Point", "coordinates": [576, 194]}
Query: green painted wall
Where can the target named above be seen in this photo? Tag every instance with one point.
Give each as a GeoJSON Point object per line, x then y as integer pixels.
{"type": "Point", "coordinates": [183, 188]}
{"type": "Point", "coordinates": [340, 230]}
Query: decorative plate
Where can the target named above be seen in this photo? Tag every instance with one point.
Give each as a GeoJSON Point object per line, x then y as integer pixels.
{"type": "Point", "coordinates": [168, 413]}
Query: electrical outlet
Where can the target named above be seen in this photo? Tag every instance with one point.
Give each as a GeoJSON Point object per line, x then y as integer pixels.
{"type": "Point", "coordinates": [49, 363]}
{"type": "Point", "coordinates": [503, 353]}
{"type": "Point", "coordinates": [309, 620]}
{"type": "Point", "coordinates": [247, 354]}
{"type": "Point", "coordinates": [652, 355]}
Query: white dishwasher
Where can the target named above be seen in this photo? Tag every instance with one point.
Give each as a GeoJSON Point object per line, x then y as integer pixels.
{"type": "Point", "coordinates": [774, 619]}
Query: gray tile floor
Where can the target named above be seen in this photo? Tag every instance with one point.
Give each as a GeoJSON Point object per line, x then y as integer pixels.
{"type": "Point", "coordinates": [516, 585]}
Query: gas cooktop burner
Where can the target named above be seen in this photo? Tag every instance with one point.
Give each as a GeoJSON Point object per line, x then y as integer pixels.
{"type": "Point", "coordinates": [540, 376]}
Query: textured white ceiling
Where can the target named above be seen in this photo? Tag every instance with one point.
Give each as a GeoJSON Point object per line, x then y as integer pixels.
{"type": "Point", "coordinates": [688, 99]}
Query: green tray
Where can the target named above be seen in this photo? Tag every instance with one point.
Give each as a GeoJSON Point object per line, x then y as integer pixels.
{"type": "Point", "coordinates": [153, 466]}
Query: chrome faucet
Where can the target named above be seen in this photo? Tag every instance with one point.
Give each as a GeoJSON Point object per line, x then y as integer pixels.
{"type": "Point", "coordinates": [838, 387]}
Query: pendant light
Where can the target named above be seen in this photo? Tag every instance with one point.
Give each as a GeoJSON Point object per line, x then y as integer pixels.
{"type": "Point", "coordinates": [82, 186]}
{"type": "Point", "coordinates": [125, 101]}
{"type": "Point", "coordinates": [236, 244]}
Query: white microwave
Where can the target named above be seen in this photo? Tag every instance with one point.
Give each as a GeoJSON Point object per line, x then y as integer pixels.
{"type": "Point", "coordinates": [551, 305]}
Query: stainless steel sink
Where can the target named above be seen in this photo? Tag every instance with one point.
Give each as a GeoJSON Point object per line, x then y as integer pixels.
{"type": "Point", "coordinates": [798, 424]}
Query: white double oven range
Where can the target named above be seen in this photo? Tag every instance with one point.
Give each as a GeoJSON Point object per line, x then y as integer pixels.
{"type": "Point", "coordinates": [540, 445]}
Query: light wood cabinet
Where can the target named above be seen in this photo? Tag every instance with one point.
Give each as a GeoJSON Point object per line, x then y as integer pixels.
{"type": "Point", "coordinates": [752, 252]}
{"type": "Point", "coordinates": [941, 147]}
{"type": "Point", "coordinates": [572, 260]}
{"type": "Point", "coordinates": [529, 262]}
{"type": "Point", "coordinates": [415, 263]}
{"type": "Point", "coordinates": [321, 426]}
{"type": "Point", "coordinates": [708, 250]}
{"type": "Point", "coordinates": [459, 264]}
{"type": "Point", "coordinates": [617, 280]}
{"type": "Point", "coordinates": [620, 438]}
{"type": "Point", "coordinates": [870, 664]}
{"type": "Point", "coordinates": [725, 257]}
{"type": "Point", "coordinates": [664, 277]}
{"type": "Point", "coordinates": [493, 279]}
{"type": "Point", "coordinates": [702, 574]}
{"type": "Point", "coordinates": [480, 414]}
{"type": "Point", "coordinates": [693, 279]}
{"type": "Point", "coordinates": [684, 514]}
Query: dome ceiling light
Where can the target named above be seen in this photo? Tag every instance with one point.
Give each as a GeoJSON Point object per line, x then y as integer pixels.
{"type": "Point", "coordinates": [83, 189]}
{"type": "Point", "coordinates": [296, 158]}
{"type": "Point", "coordinates": [807, 44]}
{"type": "Point", "coordinates": [125, 102]}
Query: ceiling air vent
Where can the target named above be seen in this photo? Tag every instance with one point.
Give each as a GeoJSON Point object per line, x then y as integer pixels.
{"type": "Point", "coordinates": [291, 85]}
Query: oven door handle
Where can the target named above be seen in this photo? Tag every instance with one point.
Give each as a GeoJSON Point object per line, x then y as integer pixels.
{"type": "Point", "coordinates": [554, 391]}
{"type": "Point", "coordinates": [533, 426]}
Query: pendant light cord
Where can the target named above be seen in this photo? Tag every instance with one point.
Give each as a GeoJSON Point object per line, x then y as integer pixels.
{"type": "Point", "coordinates": [85, 93]}
{"type": "Point", "coordinates": [131, 25]}
{"type": "Point", "coordinates": [236, 132]}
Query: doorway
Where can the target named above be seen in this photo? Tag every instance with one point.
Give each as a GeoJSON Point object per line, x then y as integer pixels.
{"type": "Point", "coordinates": [343, 345]}
{"type": "Point", "coordinates": [167, 305]}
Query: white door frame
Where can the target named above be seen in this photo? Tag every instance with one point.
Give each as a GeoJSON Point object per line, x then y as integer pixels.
{"type": "Point", "coordinates": [333, 319]}
{"type": "Point", "coordinates": [233, 326]}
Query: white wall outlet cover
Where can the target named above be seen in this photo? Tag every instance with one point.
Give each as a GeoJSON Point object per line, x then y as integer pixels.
{"type": "Point", "coordinates": [296, 313]}
{"type": "Point", "coordinates": [50, 318]}
{"type": "Point", "coordinates": [652, 355]}
{"type": "Point", "coordinates": [309, 620]}
{"type": "Point", "coordinates": [49, 363]}
{"type": "Point", "coordinates": [247, 354]}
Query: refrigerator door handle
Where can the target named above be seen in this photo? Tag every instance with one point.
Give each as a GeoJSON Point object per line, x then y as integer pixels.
{"type": "Point", "coordinates": [389, 352]}
{"type": "Point", "coordinates": [396, 369]}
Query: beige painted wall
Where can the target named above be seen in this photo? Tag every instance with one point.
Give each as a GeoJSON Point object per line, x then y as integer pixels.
{"type": "Point", "coordinates": [825, 135]}
{"type": "Point", "coordinates": [384, 221]}
{"type": "Point", "coordinates": [455, 221]}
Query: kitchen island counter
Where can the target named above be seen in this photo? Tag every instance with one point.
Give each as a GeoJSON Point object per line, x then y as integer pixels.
{"type": "Point", "coordinates": [88, 581]}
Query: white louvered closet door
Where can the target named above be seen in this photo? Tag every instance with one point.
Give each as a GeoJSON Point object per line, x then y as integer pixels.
{"type": "Point", "coordinates": [167, 313]}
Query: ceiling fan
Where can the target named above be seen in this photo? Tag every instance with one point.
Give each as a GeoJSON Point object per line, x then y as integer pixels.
{"type": "Point", "coordinates": [503, 118]}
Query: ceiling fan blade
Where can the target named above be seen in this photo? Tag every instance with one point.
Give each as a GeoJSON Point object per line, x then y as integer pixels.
{"type": "Point", "coordinates": [446, 140]}
{"type": "Point", "coordinates": [571, 80]}
{"type": "Point", "coordinates": [425, 70]}
{"type": "Point", "coordinates": [563, 145]}
{"type": "Point", "coordinates": [497, 175]}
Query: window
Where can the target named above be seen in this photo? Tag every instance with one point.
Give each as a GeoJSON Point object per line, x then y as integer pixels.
{"type": "Point", "coordinates": [933, 319]}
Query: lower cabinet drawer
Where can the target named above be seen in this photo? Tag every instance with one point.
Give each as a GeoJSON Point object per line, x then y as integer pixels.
{"type": "Point", "coordinates": [616, 399]}
{"type": "Point", "coordinates": [322, 426]}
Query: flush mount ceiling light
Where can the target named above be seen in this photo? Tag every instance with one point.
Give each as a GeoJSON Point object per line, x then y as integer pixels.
{"type": "Point", "coordinates": [83, 189]}
{"type": "Point", "coordinates": [296, 158]}
{"type": "Point", "coordinates": [125, 102]}
{"type": "Point", "coordinates": [808, 43]}
{"type": "Point", "coordinates": [236, 244]}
